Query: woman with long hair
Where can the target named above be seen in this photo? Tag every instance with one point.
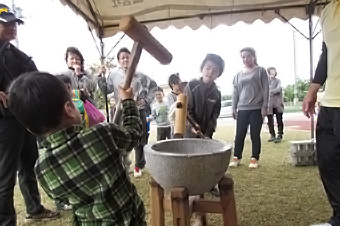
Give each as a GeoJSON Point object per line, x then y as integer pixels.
{"type": "Point", "coordinates": [250, 105]}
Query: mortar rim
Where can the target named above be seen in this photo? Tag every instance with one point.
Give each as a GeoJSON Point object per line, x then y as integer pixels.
{"type": "Point", "coordinates": [224, 148]}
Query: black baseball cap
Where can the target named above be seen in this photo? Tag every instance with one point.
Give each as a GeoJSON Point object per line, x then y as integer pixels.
{"type": "Point", "coordinates": [6, 15]}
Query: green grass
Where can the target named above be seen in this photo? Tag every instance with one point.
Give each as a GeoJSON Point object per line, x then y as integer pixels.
{"type": "Point", "coordinates": [276, 194]}
{"type": "Point", "coordinates": [293, 108]}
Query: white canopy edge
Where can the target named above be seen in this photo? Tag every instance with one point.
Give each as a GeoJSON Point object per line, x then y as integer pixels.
{"type": "Point", "coordinates": [104, 15]}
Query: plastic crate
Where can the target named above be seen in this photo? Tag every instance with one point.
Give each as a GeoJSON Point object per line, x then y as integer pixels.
{"type": "Point", "coordinates": [303, 152]}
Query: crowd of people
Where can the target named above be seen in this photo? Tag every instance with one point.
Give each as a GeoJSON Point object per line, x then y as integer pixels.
{"type": "Point", "coordinates": [85, 165]}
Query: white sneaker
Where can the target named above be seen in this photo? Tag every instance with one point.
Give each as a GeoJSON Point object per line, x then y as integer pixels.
{"type": "Point", "coordinates": [234, 162]}
{"type": "Point", "coordinates": [66, 207]}
{"type": "Point", "coordinates": [137, 172]}
{"type": "Point", "coordinates": [324, 224]}
{"type": "Point", "coordinates": [253, 163]}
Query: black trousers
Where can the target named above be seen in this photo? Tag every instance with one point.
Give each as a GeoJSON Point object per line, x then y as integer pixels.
{"type": "Point", "coordinates": [279, 122]}
{"type": "Point", "coordinates": [139, 150]}
{"type": "Point", "coordinates": [163, 133]}
{"type": "Point", "coordinates": [18, 154]}
{"type": "Point", "coordinates": [244, 119]}
{"type": "Point", "coordinates": [328, 154]}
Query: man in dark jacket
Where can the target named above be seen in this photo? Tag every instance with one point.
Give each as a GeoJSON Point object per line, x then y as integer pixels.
{"type": "Point", "coordinates": [18, 147]}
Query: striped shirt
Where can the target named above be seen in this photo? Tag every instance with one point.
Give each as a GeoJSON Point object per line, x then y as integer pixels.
{"type": "Point", "coordinates": [85, 166]}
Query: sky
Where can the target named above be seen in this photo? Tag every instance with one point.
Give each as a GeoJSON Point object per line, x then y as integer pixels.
{"type": "Point", "coordinates": [51, 27]}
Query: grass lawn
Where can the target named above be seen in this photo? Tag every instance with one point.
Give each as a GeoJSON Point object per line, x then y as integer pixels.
{"type": "Point", "coordinates": [293, 108]}
{"type": "Point", "coordinates": [276, 194]}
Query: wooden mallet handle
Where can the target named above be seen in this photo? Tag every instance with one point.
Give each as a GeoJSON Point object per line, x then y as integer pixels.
{"type": "Point", "coordinates": [130, 26]}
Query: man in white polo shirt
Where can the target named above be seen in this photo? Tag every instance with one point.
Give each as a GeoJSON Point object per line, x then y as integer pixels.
{"type": "Point", "coordinates": [328, 125]}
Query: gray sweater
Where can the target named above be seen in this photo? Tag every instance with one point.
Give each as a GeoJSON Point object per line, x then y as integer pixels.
{"type": "Point", "coordinates": [251, 90]}
{"type": "Point", "coordinates": [171, 98]}
{"type": "Point", "coordinates": [275, 96]}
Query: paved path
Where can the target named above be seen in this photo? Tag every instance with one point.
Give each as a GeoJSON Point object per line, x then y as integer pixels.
{"type": "Point", "coordinates": [292, 121]}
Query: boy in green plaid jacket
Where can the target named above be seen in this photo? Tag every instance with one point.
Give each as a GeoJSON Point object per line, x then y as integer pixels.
{"type": "Point", "coordinates": [82, 165]}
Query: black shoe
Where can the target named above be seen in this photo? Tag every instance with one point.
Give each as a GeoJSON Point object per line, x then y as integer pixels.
{"type": "Point", "coordinates": [215, 192]}
{"type": "Point", "coordinates": [272, 138]}
{"type": "Point", "coordinates": [45, 214]}
{"type": "Point", "coordinates": [278, 139]}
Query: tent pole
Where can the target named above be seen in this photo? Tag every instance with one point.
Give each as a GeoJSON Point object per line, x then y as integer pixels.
{"type": "Point", "coordinates": [102, 57]}
{"type": "Point", "coordinates": [310, 38]}
{"type": "Point", "coordinates": [311, 8]}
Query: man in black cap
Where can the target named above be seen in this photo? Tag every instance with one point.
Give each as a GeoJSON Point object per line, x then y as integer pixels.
{"type": "Point", "coordinates": [18, 147]}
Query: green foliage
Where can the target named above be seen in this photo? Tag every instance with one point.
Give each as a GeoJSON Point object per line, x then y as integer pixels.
{"type": "Point", "coordinates": [226, 97]}
{"type": "Point", "coordinates": [94, 68]}
{"type": "Point", "coordinates": [99, 98]}
{"type": "Point", "coordinates": [302, 88]}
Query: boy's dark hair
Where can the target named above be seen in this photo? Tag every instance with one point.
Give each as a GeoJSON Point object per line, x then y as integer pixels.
{"type": "Point", "coordinates": [182, 86]}
{"type": "Point", "coordinates": [123, 50]}
{"type": "Point", "coordinates": [64, 78]}
{"type": "Point", "coordinates": [215, 59]}
{"type": "Point", "coordinates": [74, 50]}
{"type": "Point", "coordinates": [37, 100]}
{"type": "Point", "coordinates": [174, 79]}
{"type": "Point", "coordinates": [159, 89]}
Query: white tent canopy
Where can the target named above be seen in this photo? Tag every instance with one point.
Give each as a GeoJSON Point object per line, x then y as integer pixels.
{"type": "Point", "coordinates": [104, 15]}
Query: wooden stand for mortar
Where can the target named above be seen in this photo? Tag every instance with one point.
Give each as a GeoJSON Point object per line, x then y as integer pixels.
{"type": "Point", "coordinates": [183, 206]}
{"type": "Point", "coordinates": [180, 203]}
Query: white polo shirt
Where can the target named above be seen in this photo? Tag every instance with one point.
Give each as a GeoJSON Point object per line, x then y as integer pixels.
{"type": "Point", "coordinates": [330, 21]}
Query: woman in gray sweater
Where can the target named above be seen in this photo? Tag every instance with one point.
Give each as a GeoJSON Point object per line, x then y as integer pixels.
{"type": "Point", "coordinates": [250, 105]}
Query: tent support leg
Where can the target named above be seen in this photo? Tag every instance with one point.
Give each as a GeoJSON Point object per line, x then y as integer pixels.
{"type": "Point", "coordinates": [311, 8]}
{"type": "Point", "coordinates": [310, 38]}
{"type": "Point", "coordinates": [102, 57]}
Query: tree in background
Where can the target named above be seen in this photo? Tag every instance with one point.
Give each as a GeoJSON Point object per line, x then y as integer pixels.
{"type": "Point", "coordinates": [94, 68]}
{"type": "Point", "coordinates": [302, 88]}
{"type": "Point", "coordinates": [226, 97]}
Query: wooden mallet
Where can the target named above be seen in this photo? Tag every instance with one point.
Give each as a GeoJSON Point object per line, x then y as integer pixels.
{"type": "Point", "coordinates": [142, 39]}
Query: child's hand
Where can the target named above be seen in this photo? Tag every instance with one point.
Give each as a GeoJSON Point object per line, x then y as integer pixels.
{"type": "Point", "coordinates": [126, 94]}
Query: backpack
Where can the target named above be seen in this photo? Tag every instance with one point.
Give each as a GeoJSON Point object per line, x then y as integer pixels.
{"type": "Point", "coordinates": [81, 108]}
{"type": "Point", "coordinates": [95, 116]}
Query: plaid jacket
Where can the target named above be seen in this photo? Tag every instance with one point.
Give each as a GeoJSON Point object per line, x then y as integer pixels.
{"type": "Point", "coordinates": [85, 166]}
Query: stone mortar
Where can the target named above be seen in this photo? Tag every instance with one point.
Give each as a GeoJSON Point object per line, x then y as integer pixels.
{"type": "Point", "coordinates": [197, 164]}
